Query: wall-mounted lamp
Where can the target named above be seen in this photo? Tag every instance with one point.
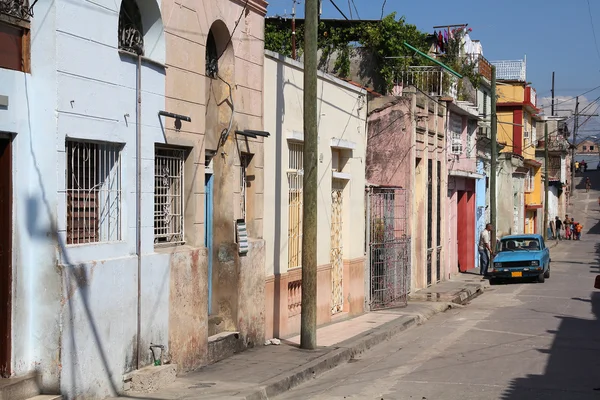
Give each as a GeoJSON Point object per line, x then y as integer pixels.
{"type": "Point", "coordinates": [178, 118]}
{"type": "Point", "coordinates": [252, 133]}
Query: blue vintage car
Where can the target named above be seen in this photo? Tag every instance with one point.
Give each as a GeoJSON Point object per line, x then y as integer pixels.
{"type": "Point", "coordinates": [521, 256]}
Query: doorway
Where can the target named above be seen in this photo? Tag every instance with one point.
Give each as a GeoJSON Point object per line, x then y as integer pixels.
{"type": "Point", "coordinates": [5, 256]}
{"type": "Point", "coordinates": [337, 252]}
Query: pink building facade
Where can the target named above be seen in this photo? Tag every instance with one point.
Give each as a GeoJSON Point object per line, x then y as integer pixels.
{"type": "Point", "coordinates": [462, 177]}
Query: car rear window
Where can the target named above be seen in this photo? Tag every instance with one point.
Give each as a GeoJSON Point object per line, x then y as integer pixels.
{"type": "Point", "coordinates": [517, 244]}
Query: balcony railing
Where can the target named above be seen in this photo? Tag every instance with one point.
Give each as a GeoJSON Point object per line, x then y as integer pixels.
{"type": "Point", "coordinates": [16, 8]}
{"type": "Point", "coordinates": [434, 81]}
{"type": "Point", "coordinates": [511, 70]}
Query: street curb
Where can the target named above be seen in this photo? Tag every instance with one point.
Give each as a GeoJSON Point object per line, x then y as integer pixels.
{"type": "Point", "coordinates": [356, 345]}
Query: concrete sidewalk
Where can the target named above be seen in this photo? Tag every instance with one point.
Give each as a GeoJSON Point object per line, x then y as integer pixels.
{"type": "Point", "coordinates": [266, 371]}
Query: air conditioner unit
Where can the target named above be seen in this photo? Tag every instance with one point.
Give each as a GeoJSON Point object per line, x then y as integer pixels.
{"type": "Point", "coordinates": [457, 147]}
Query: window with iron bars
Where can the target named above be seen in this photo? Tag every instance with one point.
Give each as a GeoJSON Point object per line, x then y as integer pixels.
{"type": "Point", "coordinates": [131, 32]}
{"type": "Point", "coordinates": [168, 195]}
{"type": "Point", "coordinates": [295, 176]}
{"type": "Point", "coordinates": [94, 196]}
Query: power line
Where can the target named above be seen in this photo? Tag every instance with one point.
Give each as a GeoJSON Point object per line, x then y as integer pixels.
{"type": "Point", "coordinates": [593, 29]}
{"type": "Point", "coordinates": [383, 8]}
{"type": "Point", "coordinates": [233, 31]}
{"type": "Point", "coordinates": [572, 98]}
{"type": "Point", "coordinates": [355, 9]}
{"type": "Point", "coordinates": [340, 11]}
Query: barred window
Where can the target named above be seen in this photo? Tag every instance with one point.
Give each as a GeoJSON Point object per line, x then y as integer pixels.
{"type": "Point", "coordinates": [168, 195]}
{"type": "Point", "coordinates": [93, 192]}
{"type": "Point", "coordinates": [131, 32]}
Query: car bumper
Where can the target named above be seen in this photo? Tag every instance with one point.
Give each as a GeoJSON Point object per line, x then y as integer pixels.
{"type": "Point", "coordinates": [516, 274]}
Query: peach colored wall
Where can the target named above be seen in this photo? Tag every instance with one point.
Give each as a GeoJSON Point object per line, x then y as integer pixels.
{"type": "Point", "coordinates": [186, 27]}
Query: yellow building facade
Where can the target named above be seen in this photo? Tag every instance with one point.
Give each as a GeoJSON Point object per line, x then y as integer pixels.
{"type": "Point", "coordinates": [517, 113]}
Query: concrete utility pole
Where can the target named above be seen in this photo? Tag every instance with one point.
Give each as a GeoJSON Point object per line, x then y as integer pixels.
{"type": "Point", "coordinates": [494, 156]}
{"type": "Point", "coordinates": [546, 178]}
{"type": "Point", "coordinates": [308, 320]}
{"type": "Point", "coordinates": [294, 31]}
{"type": "Point", "coordinates": [574, 150]}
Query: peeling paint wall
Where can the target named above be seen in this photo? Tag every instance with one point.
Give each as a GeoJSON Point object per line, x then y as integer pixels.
{"type": "Point", "coordinates": [75, 307]}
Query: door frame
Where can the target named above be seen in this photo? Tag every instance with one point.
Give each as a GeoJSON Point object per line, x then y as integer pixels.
{"type": "Point", "coordinates": [208, 230]}
{"type": "Point", "coordinates": [6, 276]}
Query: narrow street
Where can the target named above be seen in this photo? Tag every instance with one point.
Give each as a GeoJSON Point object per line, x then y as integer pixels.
{"type": "Point", "coordinates": [516, 341]}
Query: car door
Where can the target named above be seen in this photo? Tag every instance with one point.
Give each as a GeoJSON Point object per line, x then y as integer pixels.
{"type": "Point", "coordinates": [545, 253]}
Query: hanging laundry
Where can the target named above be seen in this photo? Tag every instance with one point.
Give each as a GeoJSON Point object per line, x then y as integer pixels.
{"type": "Point", "coordinates": [435, 39]}
{"type": "Point", "coordinates": [441, 42]}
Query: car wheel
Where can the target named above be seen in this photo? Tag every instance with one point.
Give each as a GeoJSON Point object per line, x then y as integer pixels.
{"type": "Point", "coordinates": [547, 273]}
{"type": "Point", "coordinates": [541, 278]}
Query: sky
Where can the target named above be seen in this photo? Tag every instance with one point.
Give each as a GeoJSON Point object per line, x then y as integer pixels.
{"type": "Point", "coordinates": [554, 35]}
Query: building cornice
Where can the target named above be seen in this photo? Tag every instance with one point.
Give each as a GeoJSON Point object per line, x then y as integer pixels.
{"type": "Point", "coordinates": [258, 6]}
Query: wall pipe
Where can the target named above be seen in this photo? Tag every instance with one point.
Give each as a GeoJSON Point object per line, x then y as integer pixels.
{"type": "Point", "coordinates": [138, 226]}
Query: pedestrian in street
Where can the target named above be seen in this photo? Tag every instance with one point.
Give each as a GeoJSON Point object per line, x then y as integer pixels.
{"type": "Point", "coordinates": [576, 166]}
{"type": "Point", "coordinates": [578, 229]}
{"type": "Point", "coordinates": [485, 251]}
{"type": "Point", "coordinates": [573, 231]}
{"type": "Point", "coordinates": [588, 184]}
{"type": "Point", "coordinates": [558, 224]}
{"type": "Point", "coordinates": [567, 225]}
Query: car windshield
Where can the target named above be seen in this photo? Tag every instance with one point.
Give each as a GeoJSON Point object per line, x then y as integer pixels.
{"type": "Point", "coordinates": [519, 244]}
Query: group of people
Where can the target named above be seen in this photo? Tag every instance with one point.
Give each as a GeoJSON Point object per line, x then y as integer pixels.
{"type": "Point", "coordinates": [581, 166]}
{"type": "Point", "coordinates": [572, 230]}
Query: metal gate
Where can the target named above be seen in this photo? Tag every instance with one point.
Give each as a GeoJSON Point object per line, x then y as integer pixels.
{"type": "Point", "coordinates": [337, 260]}
{"type": "Point", "coordinates": [389, 247]}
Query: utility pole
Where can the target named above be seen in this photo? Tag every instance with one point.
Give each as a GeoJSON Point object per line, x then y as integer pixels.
{"type": "Point", "coordinates": [574, 150]}
{"type": "Point", "coordinates": [553, 93]}
{"type": "Point", "coordinates": [494, 156]}
{"type": "Point", "coordinates": [294, 34]}
{"type": "Point", "coordinates": [308, 319]}
{"type": "Point", "coordinates": [546, 178]}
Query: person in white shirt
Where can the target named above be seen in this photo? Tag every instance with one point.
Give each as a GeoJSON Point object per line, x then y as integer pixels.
{"type": "Point", "coordinates": [485, 251]}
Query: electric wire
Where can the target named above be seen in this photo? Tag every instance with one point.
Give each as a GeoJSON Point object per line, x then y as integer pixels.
{"type": "Point", "coordinates": [593, 28]}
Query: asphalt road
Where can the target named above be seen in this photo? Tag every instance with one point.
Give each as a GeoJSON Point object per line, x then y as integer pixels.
{"type": "Point", "coordinates": [518, 341]}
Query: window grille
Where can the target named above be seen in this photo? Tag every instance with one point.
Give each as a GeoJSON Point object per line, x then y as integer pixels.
{"type": "Point", "coordinates": [16, 8]}
{"type": "Point", "coordinates": [131, 32]}
{"type": "Point", "coordinates": [295, 176]}
{"type": "Point", "coordinates": [93, 192]}
{"type": "Point", "coordinates": [168, 195]}
{"type": "Point", "coordinates": [212, 56]}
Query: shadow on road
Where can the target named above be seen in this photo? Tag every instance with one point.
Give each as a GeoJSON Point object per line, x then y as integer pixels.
{"type": "Point", "coordinates": [573, 366]}
{"type": "Point", "coordinates": [572, 371]}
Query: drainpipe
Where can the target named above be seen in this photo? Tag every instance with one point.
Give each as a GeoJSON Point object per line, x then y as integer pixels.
{"type": "Point", "coordinates": [138, 226]}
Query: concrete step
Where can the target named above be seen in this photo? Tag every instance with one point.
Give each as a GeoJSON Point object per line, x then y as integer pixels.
{"type": "Point", "coordinates": [223, 345]}
{"type": "Point", "coordinates": [19, 388]}
{"type": "Point", "coordinates": [149, 379]}
{"type": "Point", "coordinates": [46, 397]}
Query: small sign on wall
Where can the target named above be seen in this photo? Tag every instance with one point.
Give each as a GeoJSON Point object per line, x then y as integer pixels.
{"type": "Point", "coordinates": [242, 237]}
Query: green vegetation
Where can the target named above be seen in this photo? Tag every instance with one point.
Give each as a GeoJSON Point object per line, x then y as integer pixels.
{"type": "Point", "coordinates": [384, 39]}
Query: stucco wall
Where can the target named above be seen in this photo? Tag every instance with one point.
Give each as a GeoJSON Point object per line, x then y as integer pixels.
{"type": "Point", "coordinates": [75, 306]}
{"type": "Point", "coordinates": [31, 120]}
{"type": "Point", "coordinates": [342, 113]}
{"type": "Point", "coordinates": [390, 155]}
